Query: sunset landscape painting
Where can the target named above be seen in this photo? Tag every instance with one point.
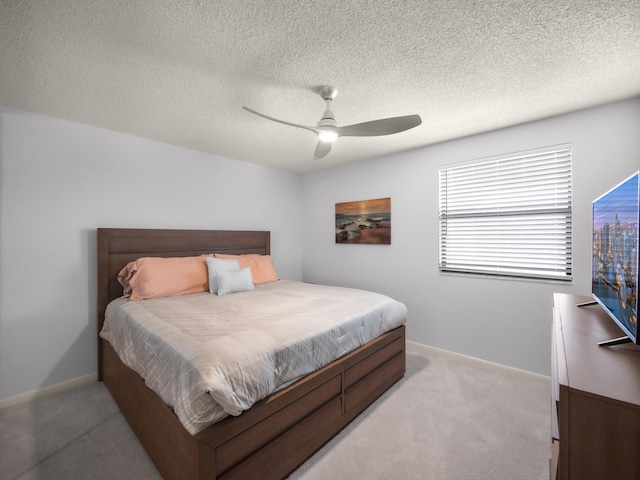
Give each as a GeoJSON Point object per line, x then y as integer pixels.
{"type": "Point", "coordinates": [364, 221]}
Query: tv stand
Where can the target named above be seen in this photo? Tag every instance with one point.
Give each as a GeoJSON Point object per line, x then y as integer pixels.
{"type": "Point", "coordinates": [615, 341]}
{"type": "Point", "coordinates": [595, 425]}
{"type": "Point", "coordinates": [586, 304]}
{"type": "Point", "coordinates": [606, 343]}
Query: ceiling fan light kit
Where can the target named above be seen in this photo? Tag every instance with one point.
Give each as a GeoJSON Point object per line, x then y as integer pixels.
{"type": "Point", "coordinates": [327, 136]}
{"type": "Point", "coordinates": [328, 130]}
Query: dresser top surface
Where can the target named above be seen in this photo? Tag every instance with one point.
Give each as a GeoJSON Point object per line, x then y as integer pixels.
{"type": "Point", "coordinates": [610, 372]}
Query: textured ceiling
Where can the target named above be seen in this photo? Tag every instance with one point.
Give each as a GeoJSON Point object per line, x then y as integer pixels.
{"type": "Point", "coordinates": [180, 71]}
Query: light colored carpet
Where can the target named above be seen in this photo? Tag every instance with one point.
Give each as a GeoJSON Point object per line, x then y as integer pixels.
{"type": "Point", "coordinates": [448, 418]}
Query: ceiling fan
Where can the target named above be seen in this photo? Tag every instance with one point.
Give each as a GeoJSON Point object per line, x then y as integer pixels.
{"type": "Point", "coordinates": [328, 129]}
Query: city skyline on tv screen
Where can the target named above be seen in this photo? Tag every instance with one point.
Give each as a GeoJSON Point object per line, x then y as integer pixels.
{"type": "Point", "coordinates": [615, 253]}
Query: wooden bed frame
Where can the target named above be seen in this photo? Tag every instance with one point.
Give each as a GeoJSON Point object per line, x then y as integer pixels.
{"type": "Point", "coordinates": [275, 436]}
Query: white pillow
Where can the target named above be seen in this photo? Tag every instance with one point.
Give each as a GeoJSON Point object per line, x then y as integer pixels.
{"type": "Point", "coordinates": [233, 281]}
{"type": "Point", "coordinates": [214, 264]}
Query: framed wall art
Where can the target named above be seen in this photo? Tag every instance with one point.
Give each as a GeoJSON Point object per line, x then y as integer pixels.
{"type": "Point", "coordinates": [364, 221]}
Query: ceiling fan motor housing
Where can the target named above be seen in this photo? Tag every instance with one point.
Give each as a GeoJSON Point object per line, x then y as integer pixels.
{"type": "Point", "coordinates": [328, 119]}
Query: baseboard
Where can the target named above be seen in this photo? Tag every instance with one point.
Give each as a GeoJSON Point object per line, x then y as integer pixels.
{"type": "Point", "coordinates": [485, 363]}
{"type": "Point", "coordinates": [41, 392]}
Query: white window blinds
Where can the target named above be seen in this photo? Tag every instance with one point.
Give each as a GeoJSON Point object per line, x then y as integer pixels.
{"type": "Point", "coordinates": [509, 215]}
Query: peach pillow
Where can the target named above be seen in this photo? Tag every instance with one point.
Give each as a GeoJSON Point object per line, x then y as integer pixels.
{"type": "Point", "coordinates": [154, 277]}
{"type": "Point", "coordinates": [262, 270]}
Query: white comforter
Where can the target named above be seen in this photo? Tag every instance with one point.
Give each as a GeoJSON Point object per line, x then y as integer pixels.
{"type": "Point", "coordinates": [208, 356]}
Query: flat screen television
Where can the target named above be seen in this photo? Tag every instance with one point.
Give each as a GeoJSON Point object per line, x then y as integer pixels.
{"type": "Point", "coordinates": [614, 277]}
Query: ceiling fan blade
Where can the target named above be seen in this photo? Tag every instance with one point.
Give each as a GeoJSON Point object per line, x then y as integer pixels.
{"type": "Point", "coordinates": [385, 126]}
{"type": "Point", "coordinates": [313, 129]}
{"type": "Point", "coordinates": [322, 149]}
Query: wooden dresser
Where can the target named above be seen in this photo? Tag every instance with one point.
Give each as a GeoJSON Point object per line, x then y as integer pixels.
{"type": "Point", "coordinates": [595, 396]}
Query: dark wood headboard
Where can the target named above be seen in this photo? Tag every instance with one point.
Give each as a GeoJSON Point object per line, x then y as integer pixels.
{"type": "Point", "coordinates": [119, 246]}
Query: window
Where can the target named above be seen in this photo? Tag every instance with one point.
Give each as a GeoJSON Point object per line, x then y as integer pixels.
{"type": "Point", "coordinates": [508, 215]}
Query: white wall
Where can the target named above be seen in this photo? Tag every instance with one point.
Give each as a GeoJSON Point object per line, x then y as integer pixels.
{"type": "Point", "coordinates": [59, 181]}
{"type": "Point", "coordinates": [502, 321]}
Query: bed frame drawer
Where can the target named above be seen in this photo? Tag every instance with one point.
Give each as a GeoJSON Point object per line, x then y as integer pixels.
{"type": "Point", "coordinates": [364, 392]}
{"type": "Point", "coordinates": [277, 459]}
{"type": "Point", "coordinates": [248, 442]}
{"type": "Point", "coordinates": [371, 363]}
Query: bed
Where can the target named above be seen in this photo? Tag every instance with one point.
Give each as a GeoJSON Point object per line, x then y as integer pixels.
{"type": "Point", "coordinates": [277, 434]}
